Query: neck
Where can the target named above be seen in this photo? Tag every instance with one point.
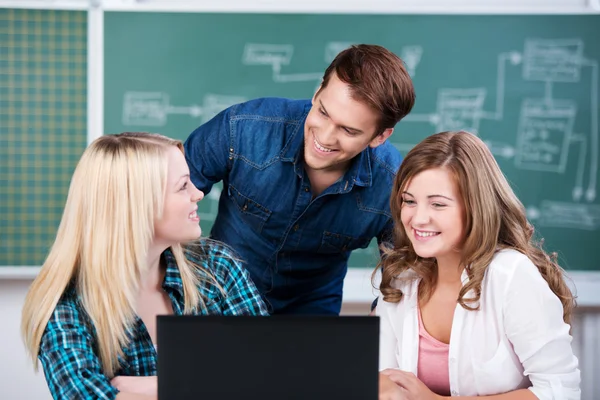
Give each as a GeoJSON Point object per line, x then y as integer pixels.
{"type": "Point", "coordinates": [153, 276]}
{"type": "Point", "coordinates": [449, 271]}
{"type": "Point", "coordinates": [321, 179]}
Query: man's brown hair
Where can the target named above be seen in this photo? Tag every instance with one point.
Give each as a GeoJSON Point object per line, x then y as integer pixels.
{"type": "Point", "coordinates": [378, 78]}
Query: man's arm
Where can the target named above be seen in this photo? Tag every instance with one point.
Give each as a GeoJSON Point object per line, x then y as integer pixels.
{"type": "Point", "coordinates": [209, 151]}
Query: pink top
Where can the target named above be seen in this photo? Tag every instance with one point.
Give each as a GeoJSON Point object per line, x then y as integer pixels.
{"type": "Point", "coordinates": [432, 368]}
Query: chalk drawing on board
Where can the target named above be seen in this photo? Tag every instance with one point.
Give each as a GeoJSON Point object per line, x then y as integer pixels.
{"type": "Point", "coordinates": [145, 108]}
{"type": "Point", "coordinates": [557, 214]}
{"type": "Point", "coordinates": [411, 55]}
{"type": "Point", "coordinates": [153, 108]}
{"type": "Point", "coordinates": [514, 58]}
{"type": "Point", "coordinates": [562, 60]}
{"type": "Point", "coordinates": [580, 140]}
{"type": "Point", "coordinates": [590, 193]}
{"type": "Point", "coordinates": [499, 149]}
{"type": "Point", "coordinates": [552, 60]}
{"type": "Point", "coordinates": [276, 55]}
{"type": "Point", "coordinates": [460, 109]}
{"type": "Point", "coordinates": [332, 49]}
{"type": "Point", "coordinates": [544, 134]}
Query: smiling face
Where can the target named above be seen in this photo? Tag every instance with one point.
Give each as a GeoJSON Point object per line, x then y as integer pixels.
{"type": "Point", "coordinates": [180, 221]}
{"type": "Point", "coordinates": [338, 128]}
{"type": "Point", "coordinates": [432, 214]}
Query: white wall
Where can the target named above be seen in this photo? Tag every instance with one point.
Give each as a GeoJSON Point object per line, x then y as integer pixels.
{"type": "Point", "coordinates": [17, 379]}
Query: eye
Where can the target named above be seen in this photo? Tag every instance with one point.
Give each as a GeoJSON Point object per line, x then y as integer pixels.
{"type": "Point", "coordinates": [184, 187]}
{"type": "Point", "coordinates": [322, 112]}
{"type": "Point", "coordinates": [438, 205]}
{"type": "Point", "coordinates": [408, 202]}
{"type": "Point", "coordinates": [348, 132]}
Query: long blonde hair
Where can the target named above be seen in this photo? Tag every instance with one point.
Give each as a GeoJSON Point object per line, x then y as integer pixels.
{"type": "Point", "coordinates": [495, 220]}
{"type": "Point", "coordinates": [116, 193]}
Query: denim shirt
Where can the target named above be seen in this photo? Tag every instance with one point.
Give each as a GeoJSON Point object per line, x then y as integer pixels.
{"type": "Point", "coordinates": [295, 247]}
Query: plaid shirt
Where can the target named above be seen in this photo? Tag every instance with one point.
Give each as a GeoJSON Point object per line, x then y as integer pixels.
{"type": "Point", "coordinates": [68, 351]}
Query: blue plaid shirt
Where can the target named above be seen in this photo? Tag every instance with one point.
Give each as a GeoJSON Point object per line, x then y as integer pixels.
{"type": "Point", "coordinates": [68, 347]}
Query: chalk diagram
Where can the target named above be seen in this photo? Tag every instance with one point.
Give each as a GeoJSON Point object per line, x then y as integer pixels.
{"type": "Point", "coordinates": [545, 133]}
{"type": "Point", "coordinates": [278, 56]}
{"type": "Point", "coordinates": [153, 108]}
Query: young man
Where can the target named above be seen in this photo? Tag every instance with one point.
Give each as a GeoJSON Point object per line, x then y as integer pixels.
{"type": "Point", "coordinates": [305, 182]}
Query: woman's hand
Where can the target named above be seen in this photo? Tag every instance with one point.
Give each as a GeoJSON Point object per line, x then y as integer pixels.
{"type": "Point", "coordinates": [388, 390]}
{"type": "Point", "coordinates": [411, 387]}
{"type": "Point", "coordinates": [147, 385]}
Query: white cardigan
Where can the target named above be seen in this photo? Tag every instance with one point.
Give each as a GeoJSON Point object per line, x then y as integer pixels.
{"type": "Point", "coordinates": [517, 339]}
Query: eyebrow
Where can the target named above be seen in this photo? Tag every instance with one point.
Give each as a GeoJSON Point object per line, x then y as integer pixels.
{"type": "Point", "coordinates": [181, 177]}
{"type": "Point", "coordinates": [346, 127]}
{"type": "Point", "coordinates": [431, 196]}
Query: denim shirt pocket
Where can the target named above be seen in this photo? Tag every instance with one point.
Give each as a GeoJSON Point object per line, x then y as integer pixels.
{"type": "Point", "coordinates": [337, 243]}
{"type": "Point", "coordinates": [253, 214]}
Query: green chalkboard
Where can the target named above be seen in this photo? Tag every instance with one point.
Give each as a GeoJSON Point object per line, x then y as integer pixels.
{"type": "Point", "coordinates": [528, 85]}
{"type": "Point", "coordinates": [43, 84]}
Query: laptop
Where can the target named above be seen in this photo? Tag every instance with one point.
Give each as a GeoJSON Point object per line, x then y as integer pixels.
{"type": "Point", "coordinates": [269, 358]}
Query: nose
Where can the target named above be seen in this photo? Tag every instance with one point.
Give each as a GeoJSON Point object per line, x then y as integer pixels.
{"type": "Point", "coordinates": [421, 216]}
{"type": "Point", "coordinates": [197, 195]}
{"type": "Point", "coordinates": [327, 135]}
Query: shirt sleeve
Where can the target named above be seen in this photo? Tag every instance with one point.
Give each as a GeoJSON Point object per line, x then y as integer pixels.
{"type": "Point", "coordinates": [241, 297]}
{"type": "Point", "coordinates": [388, 343]}
{"type": "Point", "coordinates": [533, 318]}
{"type": "Point", "coordinates": [72, 369]}
{"type": "Point", "coordinates": [207, 151]}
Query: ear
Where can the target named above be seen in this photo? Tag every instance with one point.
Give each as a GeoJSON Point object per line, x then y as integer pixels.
{"type": "Point", "coordinates": [381, 138]}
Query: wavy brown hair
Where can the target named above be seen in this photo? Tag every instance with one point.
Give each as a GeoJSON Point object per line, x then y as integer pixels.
{"type": "Point", "coordinates": [495, 220]}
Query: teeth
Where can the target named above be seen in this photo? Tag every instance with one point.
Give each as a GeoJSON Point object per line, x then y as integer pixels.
{"type": "Point", "coordinates": [193, 215]}
{"type": "Point", "coordinates": [321, 147]}
{"type": "Point", "coordinates": [425, 234]}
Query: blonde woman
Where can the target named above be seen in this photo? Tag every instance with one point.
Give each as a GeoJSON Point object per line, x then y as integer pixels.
{"type": "Point", "coordinates": [118, 262]}
{"type": "Point", "coordinates": [471, 305]}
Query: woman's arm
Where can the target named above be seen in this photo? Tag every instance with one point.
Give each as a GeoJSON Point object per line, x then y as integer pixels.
{"type": "Point", "coordinates": [533, 322]}
{"type": "Point", "coordinates": [413, 389]}
{"type": "Point", "coordinates": [71, 367]}
{"type": "Point", "coordinates": [134, 396]}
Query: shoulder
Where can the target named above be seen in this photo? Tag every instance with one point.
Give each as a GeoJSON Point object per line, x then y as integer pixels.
{"type": "Point", "coordinates": [68, 309]}
{"type": "Point", "coordinates": [66, 323]}
{"type": "Point", "coordinates": [407, 283]}
{"type": "Point", "coordinates": [510, 261]}
{"type": "Point", "coordinates": [510, 266]}
{"type": "Point", "coordinates": [386, 160]}
{"type": "Point", "coordinates": [218, 261]}
{"type": "Point", "coordinates": [275, 109]}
